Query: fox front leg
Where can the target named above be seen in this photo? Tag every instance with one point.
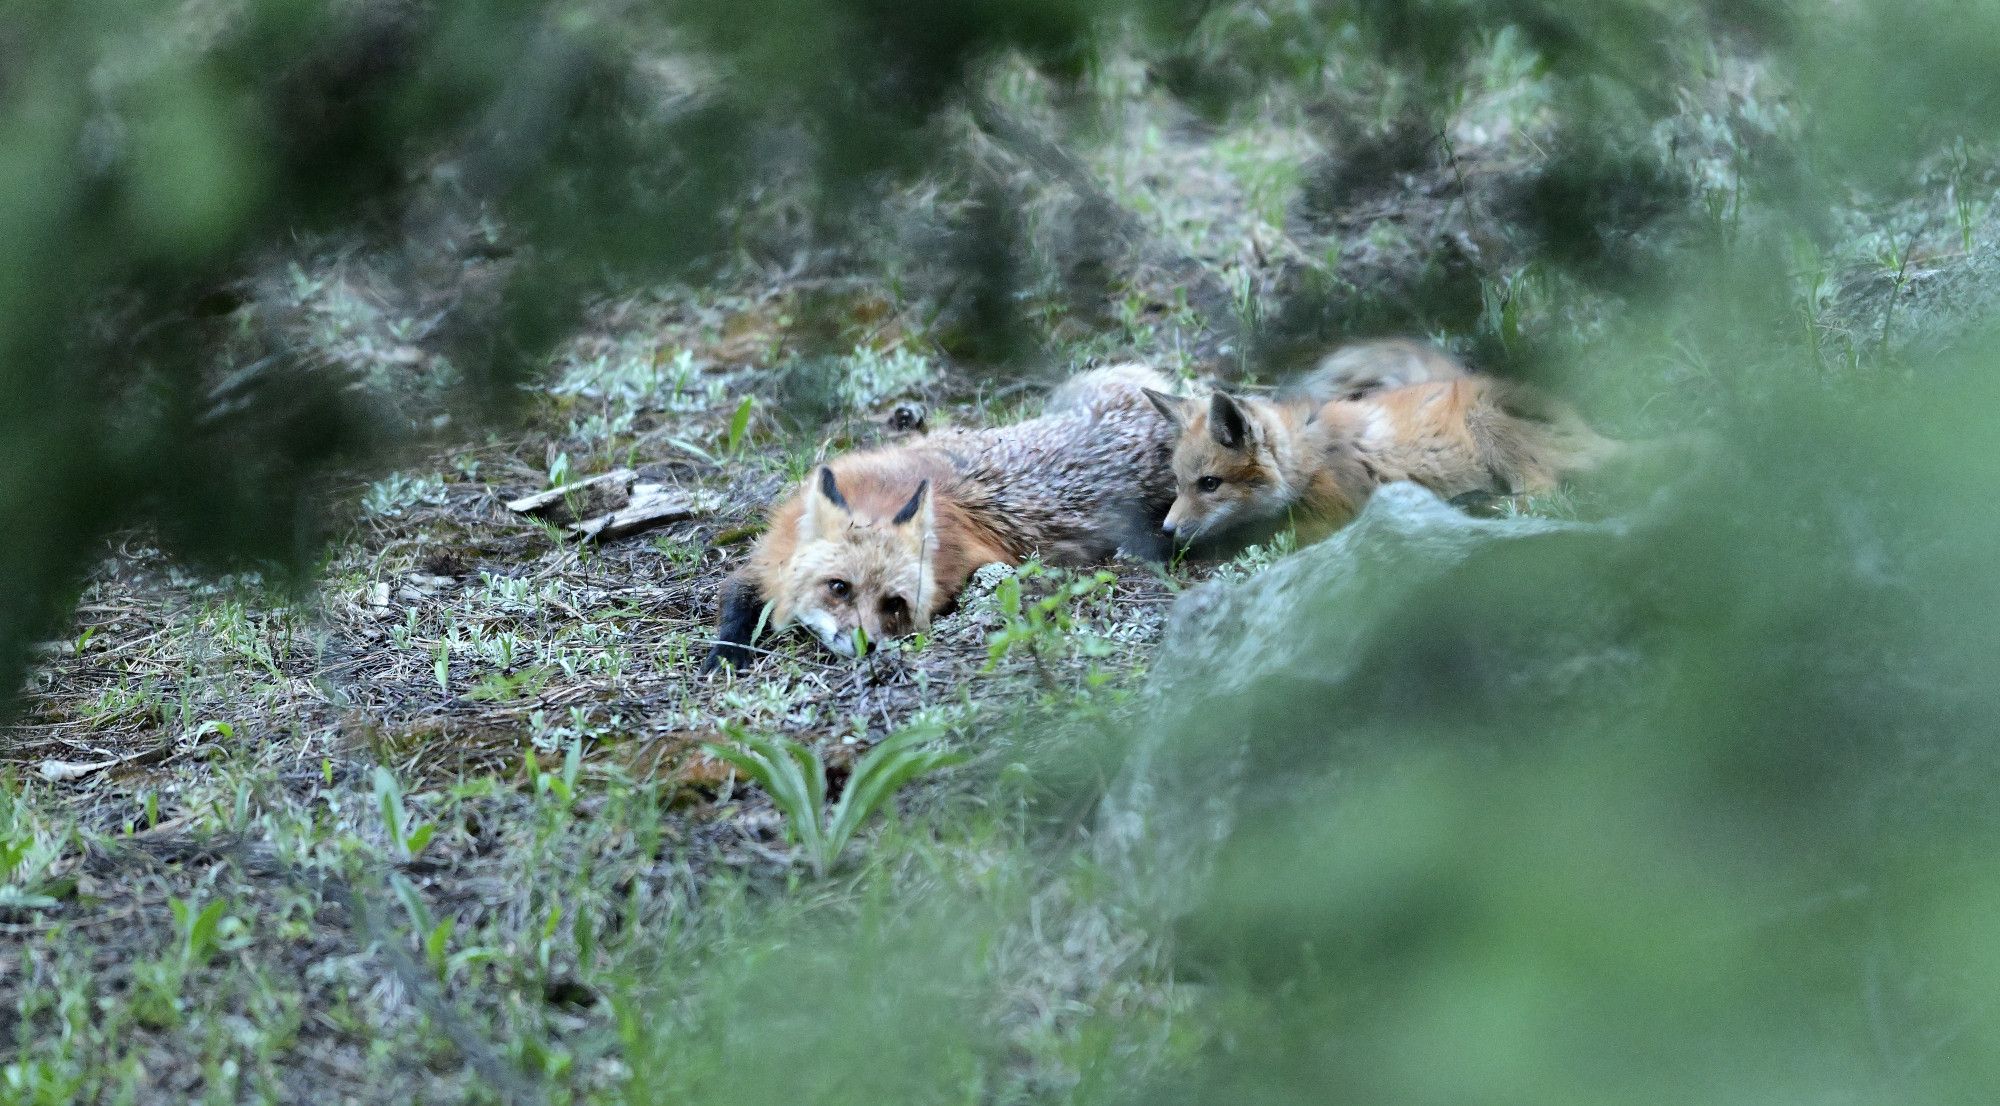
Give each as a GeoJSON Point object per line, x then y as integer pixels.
{"type": "Point", "coordinates": [742, 608]}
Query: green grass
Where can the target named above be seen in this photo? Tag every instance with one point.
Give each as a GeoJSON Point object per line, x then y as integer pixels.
{"type": "Point", "coordinates": [592, 961]}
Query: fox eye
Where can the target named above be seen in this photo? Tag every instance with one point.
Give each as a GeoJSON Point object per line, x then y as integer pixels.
{"type": "Point", "coordinates": [839, 588]}
{"type": "Point", "coordinates": [894, 607]}
{"type": "Point", "coordinates": [1208, 483]}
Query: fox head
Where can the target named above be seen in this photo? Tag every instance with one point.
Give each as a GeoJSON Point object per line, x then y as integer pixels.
{"type": "Point", "coordinates": [1225, 464]}
{"type": "Point", "coordinates": [853, 571]}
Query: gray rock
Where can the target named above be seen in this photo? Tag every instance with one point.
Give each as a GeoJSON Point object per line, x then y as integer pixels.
{"type": "Point", "coordinates": [1264, 678]}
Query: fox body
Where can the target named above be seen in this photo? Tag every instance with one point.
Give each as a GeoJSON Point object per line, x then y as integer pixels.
{"type": "Point", "coordinates": [1371, 415]}
{"type": "Point", "coordinates": [883, 540]}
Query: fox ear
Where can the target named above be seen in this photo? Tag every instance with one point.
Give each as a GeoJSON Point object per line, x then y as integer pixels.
{"type": "Point", "coordinates": [916, 526]}
{"type": "Point", "coordinates": [915, 520]}
{"type": "Point", "coordinates": [909, 510]}
{"type": "Point", "coordinates": [826, 509]}
{"type": "Point", "coordinates": [830, 488]}
{"type": "Point", "coordinates": [1228, 423]}
{"type": "Point", "coordinates": [1169, 406]}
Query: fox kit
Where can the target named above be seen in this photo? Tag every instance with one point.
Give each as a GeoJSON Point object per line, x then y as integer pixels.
{"type": "Point", "coordinates": [1371, 414]}
{"type": "Point", "coordinates": [883, 540]}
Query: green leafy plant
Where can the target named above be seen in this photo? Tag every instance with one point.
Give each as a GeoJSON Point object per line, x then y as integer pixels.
{"type": "Point", "coordinates": [1034, 625]}
{"type": "Point", "coordinates": [794, 776]}
{"type": "Point", "coordinates": [559, 784]}
{"type": "Point", "coordinates": [397, 493]}
{"type": "Point", "coordinates": [407, 835]}
{"type": "Point", "coordinates": [436, 934]}
{"type": "Point", "coordinates": [739, 426]}
{"type": "Point", "coordinates": [1961, 191]}
{"type": "Point", "coordinates": [205, 931]}
{"type": "Point", "coordinates": [679, 552]}
{"type": "Point", "coordinates": [28, 855]}
{"type": "Point", "coordinates": [441, 666]}
{"type": "Point", "coordinates": [870, 376]}
{"type": "Point", "coordinates": [507, 687]}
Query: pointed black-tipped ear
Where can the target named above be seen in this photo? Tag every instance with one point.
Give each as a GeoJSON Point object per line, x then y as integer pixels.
{"type": "Point", "coordinates": [1228, 423]}
{"type": "Point", "coordinates": [830, 489]}
{"type": "Point", "coordinates": [911, 508]}
{"type": "Point", "coordinates": [1169, 406]}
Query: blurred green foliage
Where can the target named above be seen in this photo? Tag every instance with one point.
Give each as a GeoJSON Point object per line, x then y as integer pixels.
{"type": "Point", "coordinates": [1678, 810]}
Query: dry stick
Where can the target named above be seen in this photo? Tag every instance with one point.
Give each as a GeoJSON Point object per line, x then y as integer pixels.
{"type": "Point", "coordinates": [1210, 302]}
{"type": "Point", "coordinates": [642, 513]}
{"type": "Point", "coordinates": [1901, 281]}
{"type": "Point", "coordinates": [542, 502]}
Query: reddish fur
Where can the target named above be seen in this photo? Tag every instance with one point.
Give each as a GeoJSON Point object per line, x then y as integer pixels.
{"type": "Point", "coordinates": [1317, 460]}
{"type": "Point", "coordinates": [1067, 486]}
{"type": "Point", "coordinates": [876, 485]}
{"type": "Point", "coordinates": [1366, 368]}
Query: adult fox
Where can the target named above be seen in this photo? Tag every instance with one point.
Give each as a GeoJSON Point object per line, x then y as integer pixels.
{"type": "Point", "coordinates": [884, 540]}
{"type": "Point", "coordinates": [1372, 413]}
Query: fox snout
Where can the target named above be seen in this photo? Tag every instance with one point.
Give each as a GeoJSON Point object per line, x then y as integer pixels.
{"type": "Point", "coordinates": [839, 635]}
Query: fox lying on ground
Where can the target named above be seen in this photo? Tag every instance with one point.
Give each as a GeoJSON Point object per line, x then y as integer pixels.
{"type": "Point", "coordinates": [883, 540]}
{"type": "Point", "coordinates": [1371, 414]}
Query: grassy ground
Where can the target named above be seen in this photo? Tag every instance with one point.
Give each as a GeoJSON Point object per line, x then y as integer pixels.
{"type": "Point", "coordinates": [441, 828]}
{"type": "Point", "coordinates": [221, 792]}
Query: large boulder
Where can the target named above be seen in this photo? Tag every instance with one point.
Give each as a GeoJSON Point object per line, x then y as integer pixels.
{"type": "Point", "coordinates": [1267, 683]}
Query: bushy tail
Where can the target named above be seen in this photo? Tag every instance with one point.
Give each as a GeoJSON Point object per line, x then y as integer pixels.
{"type": "Point", "coordinates": [1371, 368]}
{"type": "Point", "coordinates": [1109, 388]}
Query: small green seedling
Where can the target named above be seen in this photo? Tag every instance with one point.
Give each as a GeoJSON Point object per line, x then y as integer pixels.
{"type": "Point", "coordinates": [441, 666]}
{"type": "Point", "coordinates": [562, 783]}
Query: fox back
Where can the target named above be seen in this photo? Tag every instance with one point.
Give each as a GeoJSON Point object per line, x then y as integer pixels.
{"type": "Point", "coordinates": [1475, 435]}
